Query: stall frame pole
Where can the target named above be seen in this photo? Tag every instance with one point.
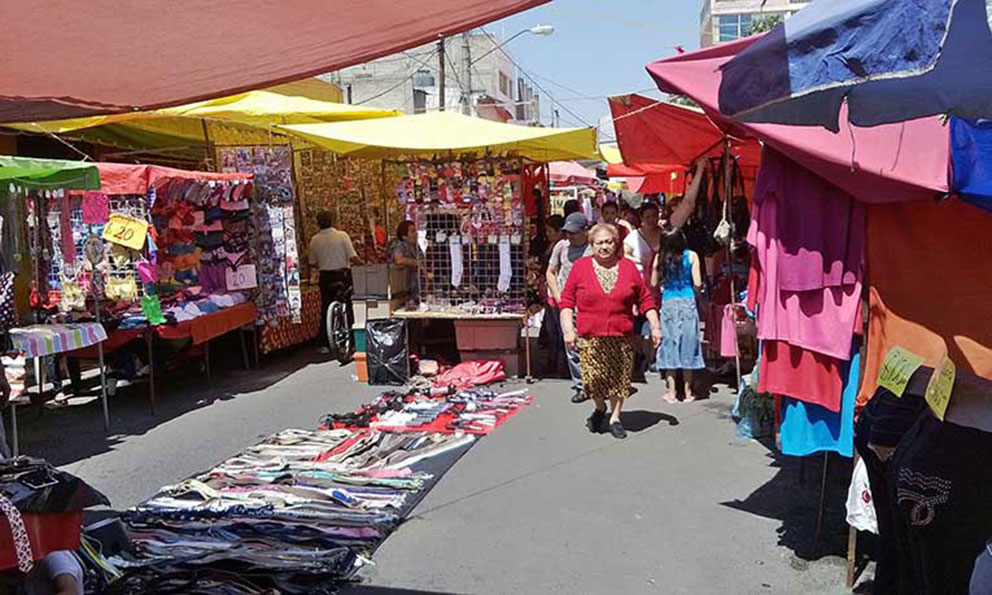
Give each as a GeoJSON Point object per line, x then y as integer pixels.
{"type": "Point", "coordinates": [728, 189]}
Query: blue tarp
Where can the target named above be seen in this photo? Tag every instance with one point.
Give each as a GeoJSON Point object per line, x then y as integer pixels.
{"type": "Point", "coordinates": [971, 157]}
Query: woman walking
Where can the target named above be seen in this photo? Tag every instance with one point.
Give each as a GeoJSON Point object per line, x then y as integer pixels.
{"type": "Point", "coordinates": [677, 272]}
{"type": "Point", "coordinates": [604, 288]}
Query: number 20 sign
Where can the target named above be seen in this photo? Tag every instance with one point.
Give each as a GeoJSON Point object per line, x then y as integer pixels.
{"type": "Point", "coordinates": [126, 231]}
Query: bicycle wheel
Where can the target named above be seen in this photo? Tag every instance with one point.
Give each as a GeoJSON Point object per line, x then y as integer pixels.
{"type": "Point", "coordinates": [338, 331]}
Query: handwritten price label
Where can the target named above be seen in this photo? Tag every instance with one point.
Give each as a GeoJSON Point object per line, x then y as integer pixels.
{"type": "Point", "coordinates": [941, 385]}
{"type": "Point", "coordinates": [126, 231]}
{"type": "Point", "coordinates": [242, 278]}
{"type": "Point", "coordinates": [897, 368]}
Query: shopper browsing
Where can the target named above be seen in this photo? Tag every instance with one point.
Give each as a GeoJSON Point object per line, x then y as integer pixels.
{"type": "Point", "coordinates": [677, 272]}
{"type": "Point", "coordinates": [331, 256]}
{"type": "Point", "coordinates": [611, 215]}
{"type": "Point", "coordinates": [605, 289]}
{"type": "Point", "coordinates": [565, 254]}
{"type": "Point", "coordinates": [404, 252]}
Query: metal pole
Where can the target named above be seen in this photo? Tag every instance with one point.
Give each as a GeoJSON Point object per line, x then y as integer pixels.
{"type": "Point", "coordinates": [467, 60]}
{"type": "Point", "coordinates": [13, 429]}
{"type": "Point", "coordinates": [441, 89]}
{"type": "Point", "coordinates": [103, 372]}
{"type": "Point", "coordinates": [728, 188]}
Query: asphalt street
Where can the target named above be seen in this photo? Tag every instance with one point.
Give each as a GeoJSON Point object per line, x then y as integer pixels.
{"type": "Point", "coordinates": [540, 506]}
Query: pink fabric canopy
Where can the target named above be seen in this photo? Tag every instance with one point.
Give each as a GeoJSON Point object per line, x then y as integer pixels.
{"type": "Point", "coordinates": [66, 59]}
{"type": "Point", "coordinates": [890, 163]}
{"type": "Point", "coordinates": [126, 178]}
{"type": "Point", "coordinates": [571, 173]}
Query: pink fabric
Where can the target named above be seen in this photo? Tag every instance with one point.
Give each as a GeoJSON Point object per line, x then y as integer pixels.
{"type": "Point", "coordinates": [65, 222]}
{"type": "Point", "coordinates": [95, 207]}
{"type": "Point", "coordinates": [728, 332]}
{"type": "Point", "coordinates": [821, 320]}
{"type": "Point", "coordinates": [569, 172]}
{"type": "Point", "coordinates": [890, 163]}
{"type": "Point", "coordinates": [147, 271]}
{"type": "Point", "coordinates": [821, 228]}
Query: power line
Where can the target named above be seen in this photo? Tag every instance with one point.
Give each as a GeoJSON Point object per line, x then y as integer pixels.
{"type": "Point", "coordinates": [533, 80]}
{"type": "Point", "coordinates": [397, 85]}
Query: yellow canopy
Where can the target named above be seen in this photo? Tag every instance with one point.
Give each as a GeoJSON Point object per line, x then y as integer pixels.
{"type": "Point", "coordinates": [184, 123]}
{"type": "Point", "coordinates": [426, 135]}
{"type": "Point", "coordinates": [610, 154]}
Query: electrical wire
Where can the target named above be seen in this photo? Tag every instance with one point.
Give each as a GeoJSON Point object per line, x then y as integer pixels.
{"type": "Point", "coordinates": [397, 85]}
{"type": "Point", "coordinates": [533, 80]}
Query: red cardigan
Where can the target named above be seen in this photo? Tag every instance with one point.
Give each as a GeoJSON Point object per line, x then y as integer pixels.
{"type": "Point", "coordinates": [602, 315]}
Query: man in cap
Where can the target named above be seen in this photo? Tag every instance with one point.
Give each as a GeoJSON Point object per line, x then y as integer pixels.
{"type": "Point", "coordinates": [564, 255]}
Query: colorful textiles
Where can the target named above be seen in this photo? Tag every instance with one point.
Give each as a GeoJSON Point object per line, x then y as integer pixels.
{"type": "Point", "coordinates": [47, 339]}
{"type": "Point", "coordinates": [799, 373]}
{"type": "Point", "coordinates": [929, 286]}
{"type": "Point", "coordinates": [807, 428]}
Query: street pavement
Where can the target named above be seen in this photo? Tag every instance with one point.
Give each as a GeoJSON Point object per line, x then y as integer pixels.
{"type": "Point", "coordinates": [540, 506]}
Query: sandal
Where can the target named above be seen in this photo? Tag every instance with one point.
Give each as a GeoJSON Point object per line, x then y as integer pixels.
{"type": "Point", "coordinates": [670, 398]}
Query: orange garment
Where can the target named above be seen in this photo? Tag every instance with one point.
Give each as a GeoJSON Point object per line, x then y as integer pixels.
{"type": "Point", "coordinates": [930, 286]}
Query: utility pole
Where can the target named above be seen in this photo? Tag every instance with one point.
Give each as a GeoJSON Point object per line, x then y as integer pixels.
{"type": "Point", "coordinates": [441, 90]}
{"type": "Point", "coordinates": [467, 60]}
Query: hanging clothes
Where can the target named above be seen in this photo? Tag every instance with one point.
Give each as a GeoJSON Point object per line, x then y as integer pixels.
{"type": "Point", "coordinates": [801, 374]}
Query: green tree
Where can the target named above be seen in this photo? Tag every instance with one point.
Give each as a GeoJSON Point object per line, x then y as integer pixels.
{"type": "Point", "coordinates": [682, 100]}
{"type": "Point", "coordinates": [764, 23]}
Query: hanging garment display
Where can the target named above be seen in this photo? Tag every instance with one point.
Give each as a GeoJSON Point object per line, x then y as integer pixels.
{"type": "Point", "coordinates": [273, 229]}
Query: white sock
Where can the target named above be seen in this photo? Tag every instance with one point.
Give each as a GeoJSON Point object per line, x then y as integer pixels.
{"type": "Point", "coordinates": [505, 269]}
{"type": "Point", "coordinates": [457, 264]}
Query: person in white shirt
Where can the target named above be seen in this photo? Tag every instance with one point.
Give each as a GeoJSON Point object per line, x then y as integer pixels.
{"type": "Point", "coordinates": [331, 257]}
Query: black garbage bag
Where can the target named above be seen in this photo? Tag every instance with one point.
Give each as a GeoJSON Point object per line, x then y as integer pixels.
{"type": "Point", "coordinates": [388, 352]}
{"type": "Point", "coordinates": [35, 486]}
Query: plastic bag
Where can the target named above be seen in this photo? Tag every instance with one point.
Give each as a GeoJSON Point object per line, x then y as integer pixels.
{"type": "Point", "coordinates": [388, 352]}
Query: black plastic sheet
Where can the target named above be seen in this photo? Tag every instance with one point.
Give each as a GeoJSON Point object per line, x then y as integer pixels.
{"type": "Point", "coordinates": [388, 352]}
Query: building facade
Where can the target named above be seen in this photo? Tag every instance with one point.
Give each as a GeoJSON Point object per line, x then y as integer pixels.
{"type": "Point", "coordinates": [721, 21]}
{"type": "Point", "coordinates": [479, 80]}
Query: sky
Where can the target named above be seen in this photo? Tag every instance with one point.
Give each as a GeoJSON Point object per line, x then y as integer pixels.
{"type": "Point", "coordinates": [599, 48]}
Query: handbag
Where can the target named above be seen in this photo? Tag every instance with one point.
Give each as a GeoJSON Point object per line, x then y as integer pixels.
{"type": "Point", "coordinates": [8, 312]}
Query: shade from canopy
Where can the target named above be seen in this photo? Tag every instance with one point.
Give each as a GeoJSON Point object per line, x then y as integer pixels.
{"type": "Point", "coordinates": [447, 133]}
{"type": "Point", "coordinates": [49, 173]}
{"type": "Point", "coordinates": [184, 124]}
{"type": "Point", "coordinates": [62, 62]}
{"type": "Point", "coordinates": [890, 60]}
{"type": "Point", "coordinates": [880, 164]}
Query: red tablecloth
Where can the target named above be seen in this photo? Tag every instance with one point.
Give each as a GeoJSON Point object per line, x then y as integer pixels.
{"type": "Point", "coordinates": [115, 340]}
{"type": "Point", "coordinates": [210, 326]}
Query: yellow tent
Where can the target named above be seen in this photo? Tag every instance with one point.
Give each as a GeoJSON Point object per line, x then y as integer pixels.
{"type": "Point", "coordinates": [188, 123]}
{"type": "Point", "coordinates": [610, 154]}
{"type": "Point", "coordinates": [447, 133]}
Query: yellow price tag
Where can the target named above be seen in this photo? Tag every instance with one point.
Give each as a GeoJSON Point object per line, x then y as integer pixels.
{"type": "Point", "coordinates": [941, 385]}
{"type": "Point", "coordinates": [126, 231]}
{"type": "Point", "coordinates": [897, 369]}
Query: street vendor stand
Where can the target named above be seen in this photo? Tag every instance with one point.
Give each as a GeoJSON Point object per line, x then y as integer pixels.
{"type": "Point", "coordinates": [462, 181]}
{"type": "Point", "coordinates": [21, 177]}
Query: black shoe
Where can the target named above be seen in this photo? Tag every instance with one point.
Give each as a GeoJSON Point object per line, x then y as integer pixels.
{"type": "Point", "coordinates": [595, 421]}
{"type": "Point", "coordinates": [616, 428]}
{"type": "Point", "coordinates": [580, 397]}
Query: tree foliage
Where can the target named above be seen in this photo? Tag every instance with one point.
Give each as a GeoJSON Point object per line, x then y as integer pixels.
{"type": "Point", "coordinates": [764, 23]}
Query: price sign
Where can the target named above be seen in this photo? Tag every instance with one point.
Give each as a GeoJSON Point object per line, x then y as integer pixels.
{"type": "Point", "coordinates": [126, 231]}
{"type": "Point", "coordinates": [941, 385]}
{"type": "Point", "coordinates": [897, 369]}
{"type": "Point", "coordinates": [242, 278]}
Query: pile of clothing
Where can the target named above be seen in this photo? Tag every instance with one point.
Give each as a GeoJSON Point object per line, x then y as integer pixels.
{"type": "Point", "coordinates": [303, 510]}
{"type": "Point", "coordinates": [473, 411]}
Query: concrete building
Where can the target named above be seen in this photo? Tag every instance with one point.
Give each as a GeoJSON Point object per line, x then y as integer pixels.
{"type": "Point", "coordinates": [726, 20]}
{"type": "Point", "coordinates": [479, 80]}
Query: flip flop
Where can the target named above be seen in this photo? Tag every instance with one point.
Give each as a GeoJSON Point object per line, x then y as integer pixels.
{"type": "Point", "coordinates": [670, 398]}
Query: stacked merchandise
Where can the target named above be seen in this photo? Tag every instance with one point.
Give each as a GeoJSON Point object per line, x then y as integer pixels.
{"type": "Point", "coordinates": [303, 510]}
{"type": "Point", "coordinates": [471, 224]}
{"type": "Point", "coordinates": [205, 259]}
{"type": "Point", "coordinates": [807, 238]}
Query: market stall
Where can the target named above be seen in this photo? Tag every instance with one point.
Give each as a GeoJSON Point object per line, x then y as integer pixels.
{"type": "Point", "coordinates": [462, 182]}
{"type": "Point", "coordinates": [861, 214]}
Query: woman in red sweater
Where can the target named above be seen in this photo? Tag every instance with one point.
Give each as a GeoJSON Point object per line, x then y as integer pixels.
{"type": "Point", "coordinates": [604, 289]}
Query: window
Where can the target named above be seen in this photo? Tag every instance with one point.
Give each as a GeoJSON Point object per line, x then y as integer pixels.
{"type": "Point", "coordinates": [504, 85]}
{"type": "Point", "coordinates": [423, 78]}
{"type": "Point", "coordinates": [733, 26]}
{"type": "Point", "coordinates": [419, 101]}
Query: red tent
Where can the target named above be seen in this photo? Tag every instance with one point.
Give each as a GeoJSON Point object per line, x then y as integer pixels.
{"type": "Point", "coordinates": [570, 173]}
{"type": "Point", "coordinates": [658, 138]}
{"type": "Point", "coordinates": [64, 59]}
{"type": "Point", "coordinates": [879, 164]}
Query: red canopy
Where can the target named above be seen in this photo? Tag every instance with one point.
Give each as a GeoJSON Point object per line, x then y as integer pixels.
{"type": "Point", "coordinates": [126, 178]}
{"type": "Point", "coordinates": [880, 164]}
{"type": "Point", "coordinates": [64, 59]}
{"type": "Point", "coordinates": [571, 173]}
